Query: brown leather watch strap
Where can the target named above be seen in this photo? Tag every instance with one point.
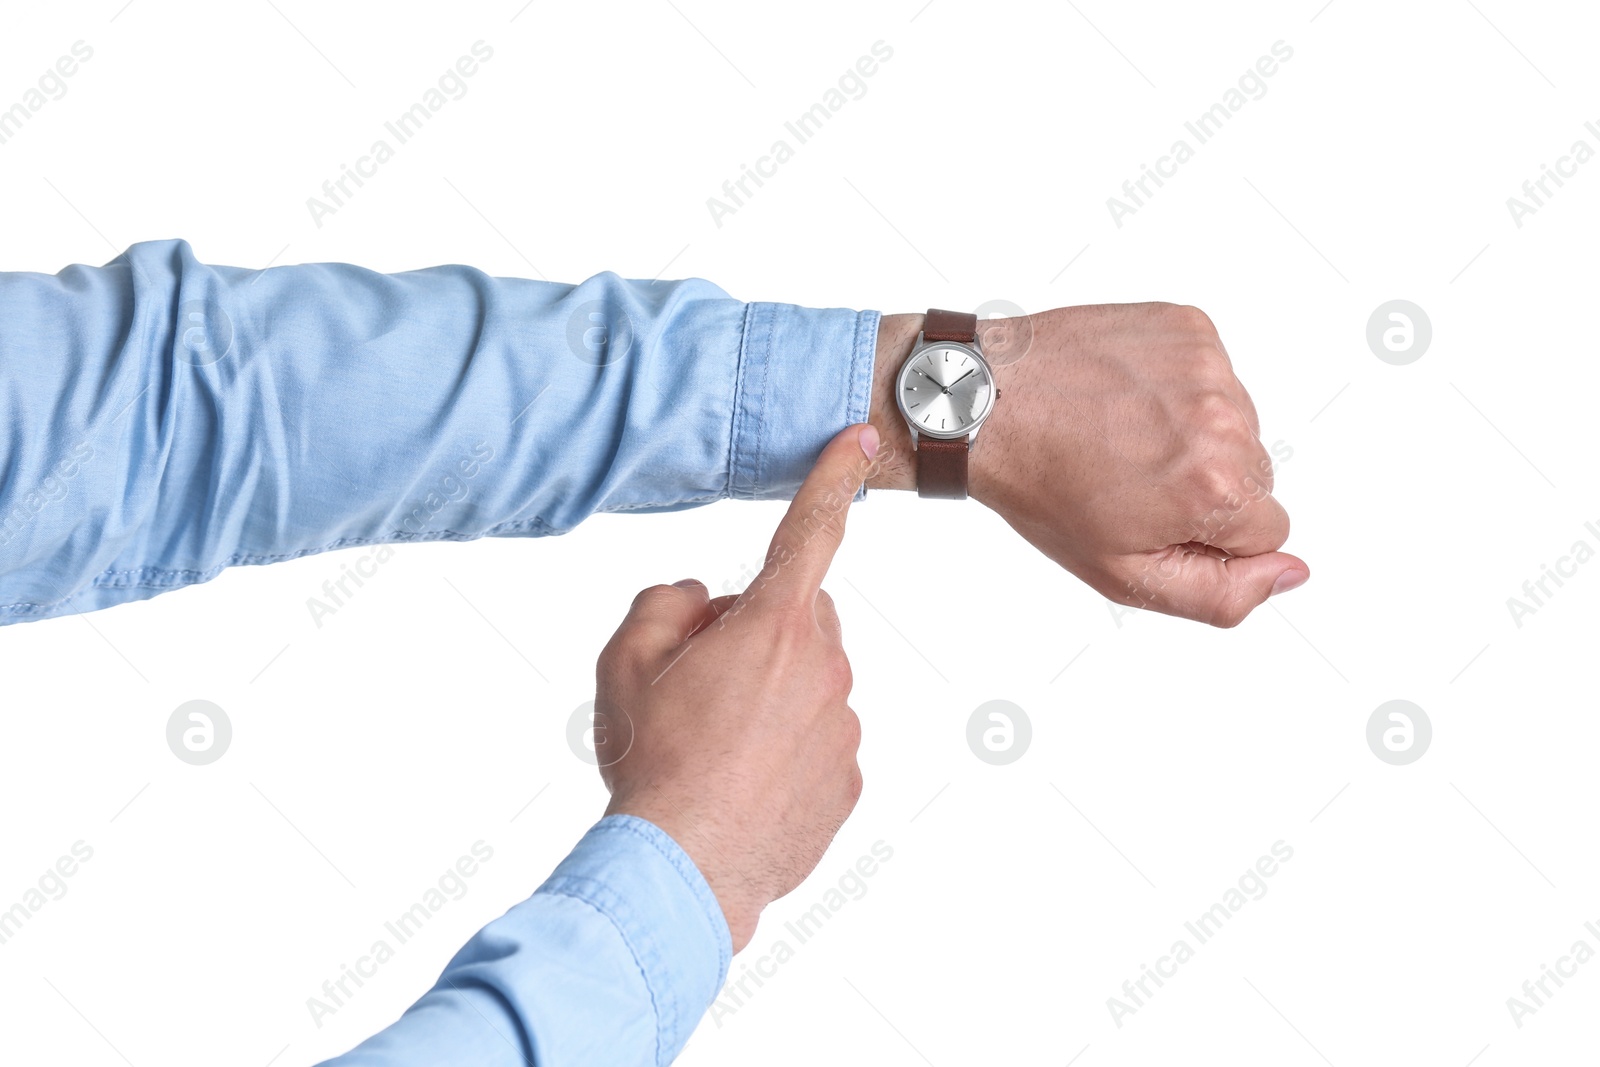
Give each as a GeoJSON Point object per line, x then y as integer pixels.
{"type": "Point", "coordinates": [940, 325]}
{"type": "Point", "coordinates": [942, 468]}
{"type": "Point", "coordinates": [941, 464]}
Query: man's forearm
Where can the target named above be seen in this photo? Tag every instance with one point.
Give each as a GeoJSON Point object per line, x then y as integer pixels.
{"type": "Point", "coordinates": [169, 419]}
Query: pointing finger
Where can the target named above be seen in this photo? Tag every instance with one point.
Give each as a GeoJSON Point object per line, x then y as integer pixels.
{"type": "Point", "coordinates": [812, 531]}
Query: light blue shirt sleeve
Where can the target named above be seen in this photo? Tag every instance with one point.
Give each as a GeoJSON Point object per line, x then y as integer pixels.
{"type": "Point", "coordinates": [162, 420]}
{"type": "Point", "coordinates": [611, 963]}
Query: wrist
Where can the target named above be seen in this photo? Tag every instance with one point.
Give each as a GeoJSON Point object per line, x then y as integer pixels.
{"type": "Point", "coordinates": [739, 900]}
{"type": "Point", "coordinates": [896, 464]}
{"type": "Point", "coordinates": [897, 461]}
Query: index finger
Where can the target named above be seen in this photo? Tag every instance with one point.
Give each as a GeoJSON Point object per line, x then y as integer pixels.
{"type": "Point", "coordinates": [813, 529]}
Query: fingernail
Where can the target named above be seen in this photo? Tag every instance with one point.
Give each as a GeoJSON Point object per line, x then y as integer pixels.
{"type": "Point", "coordinates": [689, 583]}
{"type": "Point", "coordinates": [1288, 580]}
{"type": "Point", "coordinates": [869, 441]}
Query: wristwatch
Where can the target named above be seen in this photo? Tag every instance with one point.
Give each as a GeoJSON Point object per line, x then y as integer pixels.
{"type": "Point", "coordinates": [945, 390]}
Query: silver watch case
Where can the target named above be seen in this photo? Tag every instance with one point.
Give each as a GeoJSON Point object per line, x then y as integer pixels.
{"type": "Point", "coordinates": [978, 420]}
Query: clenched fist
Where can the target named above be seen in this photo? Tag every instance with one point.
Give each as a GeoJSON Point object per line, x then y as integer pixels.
{"type": "Point", "coordinates": [1123, 448]}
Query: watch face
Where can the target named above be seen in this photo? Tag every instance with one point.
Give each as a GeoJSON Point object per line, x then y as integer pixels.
{"type": "Point", "coordinates": [945, 390]}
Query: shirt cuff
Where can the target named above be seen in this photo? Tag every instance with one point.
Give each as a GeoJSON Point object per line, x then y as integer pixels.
{"type": "Point", "coordinates": [804, 374]}
{"type": "Point", "coordinates": [634, 874]}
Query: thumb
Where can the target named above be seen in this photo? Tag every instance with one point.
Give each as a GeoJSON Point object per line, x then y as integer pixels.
{"type": "Point", "coordinates": [664, 616]}
{"type": "Point", "coordinates": [1220, 592]}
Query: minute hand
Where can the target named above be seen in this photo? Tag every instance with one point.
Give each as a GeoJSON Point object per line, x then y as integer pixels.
{"type": "Point", "coordinates": [958, 381]}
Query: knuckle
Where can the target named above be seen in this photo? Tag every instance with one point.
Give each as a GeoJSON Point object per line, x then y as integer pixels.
{"type": "Point", "coordinates": [1260, 480]}
{"type": "Point", "coordinates": [618, 659]}
{"type": "Point", "coordinates": [1215, 488]}
{"type": "Point", "coordinates": [1194, 320]}
{"type": "Point", "coordinates": [652, 598]}
{"type": "Point", "coordinates": [1271, 529]}
{"type": "Point", "coordinates": [837, 675]}
{"type": "Point", "coordinates": [1217, 415]}
{"type": "Point", "coordinates": [1210, 365]}
{"type": "Point", "coordinates": [851, 730]}
{"type": "Point", "coordinates": [1255, 490]}
{"type": "Point", "coordinates": [855, 786]}
{"type": "Point", "coordinates": [625, 655]}
{"type": "Point", "coordinates": [1215, 513]}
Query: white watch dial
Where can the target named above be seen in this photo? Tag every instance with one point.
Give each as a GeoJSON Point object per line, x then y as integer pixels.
{"type": "Point", "coordinates": [945, 391]}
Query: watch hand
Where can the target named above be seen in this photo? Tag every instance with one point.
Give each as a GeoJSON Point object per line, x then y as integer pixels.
{"type": "Point", "coordinates": [958, 381]}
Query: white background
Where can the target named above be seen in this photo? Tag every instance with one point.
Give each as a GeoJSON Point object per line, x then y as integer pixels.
{"type": "Point", "coordinates": [370, 754]}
